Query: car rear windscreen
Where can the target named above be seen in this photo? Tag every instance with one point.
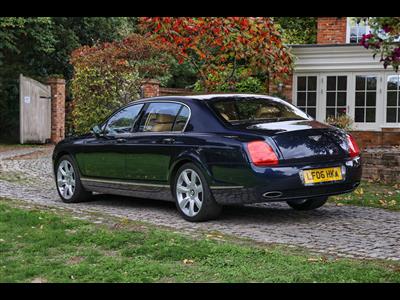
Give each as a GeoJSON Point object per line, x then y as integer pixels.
{"type": "Point", "coordinates": [239, 110]}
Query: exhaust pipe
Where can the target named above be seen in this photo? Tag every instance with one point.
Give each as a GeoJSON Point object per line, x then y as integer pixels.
{"type": "Point", "coordinates": [274, 194]}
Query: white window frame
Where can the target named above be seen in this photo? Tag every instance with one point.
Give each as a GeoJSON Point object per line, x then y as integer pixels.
{"type": "Point", "coordinates": [384, 91]}
{"type": "Point", "coordinates": [294, 92]}
{"type": "Point", "coordinates": [379, 113]}
{"type": "Point", "coordinates": [367, 29]}
{"type": "Point", "coordinates": [324, 79]}
{"type": "Point", "coordinates": [350, 101]}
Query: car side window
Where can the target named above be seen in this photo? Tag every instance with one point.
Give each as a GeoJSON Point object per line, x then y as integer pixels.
{"type": "Point", "coordinates": [160, 117]}
{"type": "Point", "coordinates": [181, 119]}
{"type": "Point", "coordinates": [123, 120]}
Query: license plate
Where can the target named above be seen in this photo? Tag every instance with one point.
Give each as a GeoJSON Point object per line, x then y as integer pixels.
{"type": "Point", "coordinates": [322, 175]}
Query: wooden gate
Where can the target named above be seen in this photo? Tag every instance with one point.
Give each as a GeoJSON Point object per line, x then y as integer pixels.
{"type": "Point", "coordinates": [35, 111]}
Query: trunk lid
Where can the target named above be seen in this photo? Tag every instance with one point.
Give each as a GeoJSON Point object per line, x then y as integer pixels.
{"type": "Point", "coordinates": [305, 140]}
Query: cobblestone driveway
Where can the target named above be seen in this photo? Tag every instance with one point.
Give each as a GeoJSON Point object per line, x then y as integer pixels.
{"type": "Point", "coordinates": [342, 230]}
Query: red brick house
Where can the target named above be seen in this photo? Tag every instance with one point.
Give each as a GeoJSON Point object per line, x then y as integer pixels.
{"type": "Point", "coordinates": [338, 75]}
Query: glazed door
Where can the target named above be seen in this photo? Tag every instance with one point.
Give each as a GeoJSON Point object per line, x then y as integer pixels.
{"type": "Point", "coordinates": [306, 94]}
{"type": "Point", "coordinates": [105, 156]}
{"type": "Point", "coordinates": [335, 90]}
{"type": "Point", "coordinates": [152, 147]}
{"type": "Point", "coordinates": [365, 100]}
{"type": "Point", "coordinates": [392, 100]}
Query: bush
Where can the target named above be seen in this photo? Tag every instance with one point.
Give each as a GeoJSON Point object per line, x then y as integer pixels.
{"type": "Point", "coordinates": [109, 75]}
{"type": "Point", "coordinates": [97, 93]}
{"type": "Point", "coordinates": [241, 83]}
{"type": "Point", "coordinates": [342, 121]}
{"type": "Point", "coordinates": [251, 85]}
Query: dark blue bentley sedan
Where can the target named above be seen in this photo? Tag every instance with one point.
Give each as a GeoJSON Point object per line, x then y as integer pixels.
{"type": "Point", "coordinates": [207, 151]}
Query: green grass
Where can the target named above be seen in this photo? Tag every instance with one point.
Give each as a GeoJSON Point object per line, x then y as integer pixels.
{"type": "Point", "coordinates": [40, 245]}
{"type": "Point", "coordinates": [372, 195]}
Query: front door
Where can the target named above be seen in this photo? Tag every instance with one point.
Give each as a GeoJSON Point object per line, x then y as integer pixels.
{"type": "Point", "coordinates": [322, 95]}
{"type": "Point", "coordinates": [355, 94]}
{"type": "Point", "coordinates": [104, 156]}
{"type": "Point", "coordinates": [330, 95]}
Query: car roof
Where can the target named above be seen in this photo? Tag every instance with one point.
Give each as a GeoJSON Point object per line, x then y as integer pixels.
{"type": "Point", "coordinates": [206, 97]}
{"type": "Point", "coordinates": [211, 96]}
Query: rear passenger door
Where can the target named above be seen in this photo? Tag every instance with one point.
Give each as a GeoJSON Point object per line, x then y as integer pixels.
{"type": "Point", "coordinates": [155, 141]}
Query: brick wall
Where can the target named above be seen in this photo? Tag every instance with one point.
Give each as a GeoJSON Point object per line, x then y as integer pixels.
{"type": "Point", "coordinates": [57, 109]}
{"type": "Point", "coordinates": [286, 90]}
{"type": "Point", "coordinates": [331, 30]}
{"type": "Point", "coordinates": [388, 137]}
{"type": "Point", "coordinates": [150, 88]}
{"type": "Point", "coordinates": [175, 91]}
{"type": "Point", "coordinates": [381, 164]}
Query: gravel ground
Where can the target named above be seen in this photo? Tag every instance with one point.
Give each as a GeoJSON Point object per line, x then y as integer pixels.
{"type": "Point", "coordinates": [347, 231]}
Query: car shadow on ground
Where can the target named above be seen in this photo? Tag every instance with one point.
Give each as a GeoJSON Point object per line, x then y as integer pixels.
{"type": "Point", "coordinates": [275, 212]}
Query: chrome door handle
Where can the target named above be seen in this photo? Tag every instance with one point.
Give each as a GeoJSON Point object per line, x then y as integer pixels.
{"type": "Point", "coordinates": [168, 140]}
{"type": "Point", "coordinates": [121, 140]}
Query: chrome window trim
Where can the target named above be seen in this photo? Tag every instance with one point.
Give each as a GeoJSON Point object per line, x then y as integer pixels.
{"type": "Point", "coordinates": [166, 101]}
{"type": "Point", "coordinates": [104, 124]}
{"type": "Point", "coordinates": [144, 102]}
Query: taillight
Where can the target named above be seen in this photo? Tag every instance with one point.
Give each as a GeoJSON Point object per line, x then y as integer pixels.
{"type": "Point", "coordinates": [261, 154]}
{"type": "Point", "coordinates": [354, 150]}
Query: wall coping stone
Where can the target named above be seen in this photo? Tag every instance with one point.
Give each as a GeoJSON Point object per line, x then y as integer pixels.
{"type": "Point", "coordinates": [53, 80]}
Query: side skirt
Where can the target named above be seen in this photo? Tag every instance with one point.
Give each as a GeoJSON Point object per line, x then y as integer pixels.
{"type": "Point", "coordinates": [128, 188]}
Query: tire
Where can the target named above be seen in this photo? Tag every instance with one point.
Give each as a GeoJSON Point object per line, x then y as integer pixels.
{"type": "Point", "coordinates": [307, 204]}
{"type": "Point", "coordinates": [78, 194]}
{"type": "Point", "coordinates": [188, 203]}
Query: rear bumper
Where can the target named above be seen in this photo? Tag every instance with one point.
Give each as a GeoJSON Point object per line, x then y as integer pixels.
{"type": "Point", "coordinates": [284, 183]}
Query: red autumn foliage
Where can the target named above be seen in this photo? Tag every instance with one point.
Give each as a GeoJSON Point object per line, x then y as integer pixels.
{"type": "Point", "coordinates": [216, 45]}
{"type": "Point", "coordinates": [148, 57]}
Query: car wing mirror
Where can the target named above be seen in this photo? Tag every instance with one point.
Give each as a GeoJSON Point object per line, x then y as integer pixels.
{"type": "Point", "coordinates": [97, 131]}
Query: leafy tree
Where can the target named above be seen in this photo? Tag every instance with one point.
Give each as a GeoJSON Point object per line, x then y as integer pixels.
{"type": "Point", "coordinates": [181, 75]}
{"type": "Point", "coordinates": [40, 46]}
{"type": "Point", "coordinates": [45, 44]}
{"type": "Point", "coordinates": [298, 30]}
{"type": "Point", "coordinates": [246, 84]}
{"type": "Point", "coordinates": [24, 43]}
{"type": "Point", "coordinates": [384, 39]}
{"type": "Point", "coordinates": [109, 75]}
{"type": "Point", "coordinates": [73, 32]}
{"type": "Point", "coordinates": [219, 47]}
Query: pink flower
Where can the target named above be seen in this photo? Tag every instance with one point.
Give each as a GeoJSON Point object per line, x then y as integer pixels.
{"type": "Point", "coordinates": [365, 40]}
{"type": "Point", "coordinates": [386, 28]}
{"type": "Point", "coordinates": [396, 54]}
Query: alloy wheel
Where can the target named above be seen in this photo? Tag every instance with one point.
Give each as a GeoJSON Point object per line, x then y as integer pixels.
{"type": "Point", "coordinates": [189, 192]}
{"type": "Point", "coordinates": [66, 179]}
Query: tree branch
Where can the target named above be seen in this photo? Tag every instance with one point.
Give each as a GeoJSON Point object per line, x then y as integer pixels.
{"type": "Point", "coordinates": [233, 69]}
{"type": "Point", "coordinates": [191, 61]}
